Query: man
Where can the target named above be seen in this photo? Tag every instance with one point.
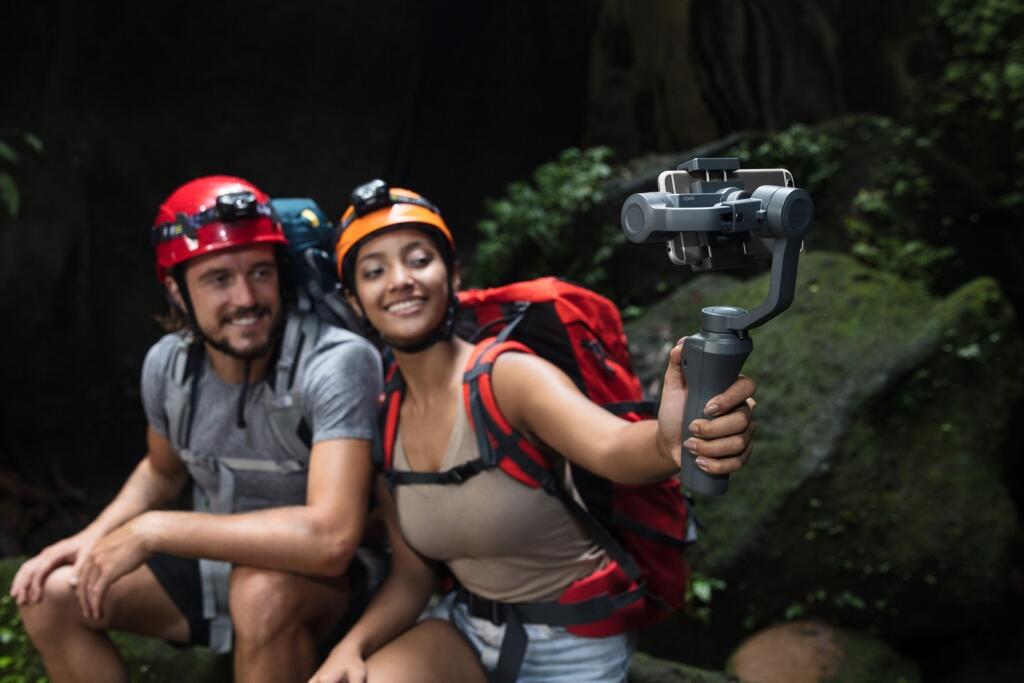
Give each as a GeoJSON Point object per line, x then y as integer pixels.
{"type": "Point", "coordinates": [271, 415]}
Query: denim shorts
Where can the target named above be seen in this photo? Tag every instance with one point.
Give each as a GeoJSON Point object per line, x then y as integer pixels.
{"type": "Point", "coordinates": [553, 655]}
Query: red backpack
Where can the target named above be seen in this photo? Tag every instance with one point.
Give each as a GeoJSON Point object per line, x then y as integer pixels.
{"type": "Point", "coordinates": [642, 528]}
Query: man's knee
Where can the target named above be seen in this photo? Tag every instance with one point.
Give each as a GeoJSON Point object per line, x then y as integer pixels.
{"type": "Point", "coordinates": [264, 604]}
{"type": "Point", "coordinates": [58, 609]}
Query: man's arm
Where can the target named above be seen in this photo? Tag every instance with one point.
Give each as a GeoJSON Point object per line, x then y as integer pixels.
{"type": "Point", "coordinates": [157, 479]}
{"type": "Point", "coordinates": [318, 538]}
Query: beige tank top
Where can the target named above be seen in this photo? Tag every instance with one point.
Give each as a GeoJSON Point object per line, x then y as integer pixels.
{"type": "Point", "coordinates": [501, 539]}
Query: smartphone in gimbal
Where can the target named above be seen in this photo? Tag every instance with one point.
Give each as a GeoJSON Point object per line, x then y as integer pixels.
{"type": "Point", "coordinates": [711, 251]}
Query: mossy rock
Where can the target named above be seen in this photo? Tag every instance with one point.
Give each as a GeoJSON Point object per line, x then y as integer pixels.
{"type": "Point", "coordinates": [814, 652]}
{"type": "Point", "coordinates": [149, 660]}
{"type": "Point", "coordinates": [875, 495]}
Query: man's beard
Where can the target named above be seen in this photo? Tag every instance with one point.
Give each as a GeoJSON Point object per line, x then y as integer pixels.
{"type": "Point", "coordinates": [224, 346]}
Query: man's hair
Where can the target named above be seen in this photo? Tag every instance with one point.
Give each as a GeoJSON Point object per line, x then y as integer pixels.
{"type": "Point", "coordinates": [172, 319]}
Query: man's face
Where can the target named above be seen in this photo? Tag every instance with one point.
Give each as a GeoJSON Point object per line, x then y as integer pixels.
{"type": "Point", "coordinates": [237, 298]}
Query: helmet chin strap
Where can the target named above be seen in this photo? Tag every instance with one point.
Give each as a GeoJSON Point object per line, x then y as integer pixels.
{"type": "Point", "coordinates": [443, 332]}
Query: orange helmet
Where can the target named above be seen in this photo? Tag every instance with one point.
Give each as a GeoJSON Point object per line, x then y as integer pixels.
{"type": "Point", "coordinates": [376, 207]}
{"type": "Point", "coordinates": [208, 214]}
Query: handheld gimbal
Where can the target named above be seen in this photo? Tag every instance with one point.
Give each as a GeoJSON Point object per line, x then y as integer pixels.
{"type": "Point", "coordinates": [719, 222]}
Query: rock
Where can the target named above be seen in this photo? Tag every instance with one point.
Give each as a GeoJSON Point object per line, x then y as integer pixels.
{"type": "Point", "coordinates": [814, 652]}
{"type": "Point", "coordinates": [647, 669]}
{"type": "Point", "coordinates": [875, 496]}
{"type": "Point", "coordinates": [748, 82]}
{"type": "Point", "coordinates": [643, 68]}
{"type": "Point", "coordinates": [149, 660]}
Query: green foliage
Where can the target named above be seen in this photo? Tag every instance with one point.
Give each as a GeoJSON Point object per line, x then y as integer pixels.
{"type": "Point", "coordinates": [978, 97]}
{"type": "Point", "coordinates": [19, 662]}
{"type": "Point", "coordinates": [813, 155]}
{"type": "Point", "coordinates": [10, 196]}
{"type": "Point", "coordinates": [699, 593]}
{"type": "Point", "coordinates": [536, 229]}
{"type": "Point", "coordinates": [886, 223]}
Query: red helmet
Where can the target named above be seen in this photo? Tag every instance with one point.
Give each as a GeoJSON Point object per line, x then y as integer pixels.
{"type": "Point", "coordinates": [208, 214]}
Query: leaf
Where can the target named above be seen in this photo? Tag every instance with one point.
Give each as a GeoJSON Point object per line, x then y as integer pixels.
{"type": "Point", "coordinates": [9, 194]}
{"type": "Point", "coordinates": [33, 141]}
{"type": "Point", "coordinates": [702, 591]}
{"type": "Point", "coordinates": [7, 153]}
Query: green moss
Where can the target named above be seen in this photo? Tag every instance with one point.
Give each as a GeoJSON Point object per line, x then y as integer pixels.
{"type": "Point", "coordinates": [19, 662]}
{"type": "Point", "coordinates": [814, 364]}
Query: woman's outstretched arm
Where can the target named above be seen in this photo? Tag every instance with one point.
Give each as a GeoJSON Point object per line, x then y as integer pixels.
{"type": "Point", "coordinates": [542, 401]}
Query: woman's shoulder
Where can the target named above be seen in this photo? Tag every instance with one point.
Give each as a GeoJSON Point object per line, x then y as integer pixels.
{"type": "Point", "coordinates": [520, 379]}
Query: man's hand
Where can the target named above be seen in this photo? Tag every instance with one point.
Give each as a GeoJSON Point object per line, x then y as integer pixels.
{"type": "Point", "coordinates": [116, 554]}
{"type": "Point", "coordinates": [27, 586]}
{"type": "Point", "coordinates": [722, 441]}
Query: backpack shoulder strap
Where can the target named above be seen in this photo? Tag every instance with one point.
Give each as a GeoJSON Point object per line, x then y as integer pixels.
{"type": "Point", "coordinates": [394, 387]}
{"type": "Point", "coordinates": [286, 417]}
{"type": "Point", "coordinates": [498, 440]}
{"type": "Point", "coordinates": [300, 335]}
{"type": "Point", "coordinates": [181, 389]}
{"type": "Point", "coordinates": [489, 455]}
{"type": "Point", "coordinates": [518, 457]}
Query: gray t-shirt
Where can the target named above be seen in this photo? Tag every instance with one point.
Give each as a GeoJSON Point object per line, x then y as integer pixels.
{"type": "Point", "coordinates": [339, 385]}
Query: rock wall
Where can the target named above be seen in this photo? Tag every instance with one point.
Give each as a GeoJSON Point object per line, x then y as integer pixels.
{"type": "Point", "coordinates": [877, 493]}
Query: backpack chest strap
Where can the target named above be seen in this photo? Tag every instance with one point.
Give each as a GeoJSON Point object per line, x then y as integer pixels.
{"type": "Point", "coordinates": [454, 475]}
{"type": "Point", "coordinates": [284, 466]}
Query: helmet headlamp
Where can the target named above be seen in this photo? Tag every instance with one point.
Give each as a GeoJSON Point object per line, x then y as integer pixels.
{"type": "Point", "coordinates": [228, 208]}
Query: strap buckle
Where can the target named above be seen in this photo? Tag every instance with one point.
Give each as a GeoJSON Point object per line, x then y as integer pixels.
{"type": "Point", "coordinates": [483, 608]}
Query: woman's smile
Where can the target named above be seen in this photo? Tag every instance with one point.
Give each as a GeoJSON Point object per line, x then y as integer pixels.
{"type": "Point", "coordinates": [406, 307]}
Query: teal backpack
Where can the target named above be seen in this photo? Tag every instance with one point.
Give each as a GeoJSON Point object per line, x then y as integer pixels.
{"type": "Point", "coordinates": [314, 272]}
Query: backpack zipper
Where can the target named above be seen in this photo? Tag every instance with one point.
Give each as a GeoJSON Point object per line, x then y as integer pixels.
{"type": "Point", "coordinates": [596, 348]}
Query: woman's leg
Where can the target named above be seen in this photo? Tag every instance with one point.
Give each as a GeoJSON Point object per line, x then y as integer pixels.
{"type": "Point", "coordinates": [432, 651]}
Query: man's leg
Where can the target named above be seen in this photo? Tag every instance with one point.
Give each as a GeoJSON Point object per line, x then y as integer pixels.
{"type": "Point", "coordinates": [75, 648]}
{"type": "Point", "coordinates": [279, 619]}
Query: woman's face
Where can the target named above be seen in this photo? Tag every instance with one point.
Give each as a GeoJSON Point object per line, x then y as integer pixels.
{"type": "Point", "coordinates": [401, 285]}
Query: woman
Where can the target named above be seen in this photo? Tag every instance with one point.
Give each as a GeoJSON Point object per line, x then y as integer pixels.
{"type": "Point", "coordinates": [500, 539]}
